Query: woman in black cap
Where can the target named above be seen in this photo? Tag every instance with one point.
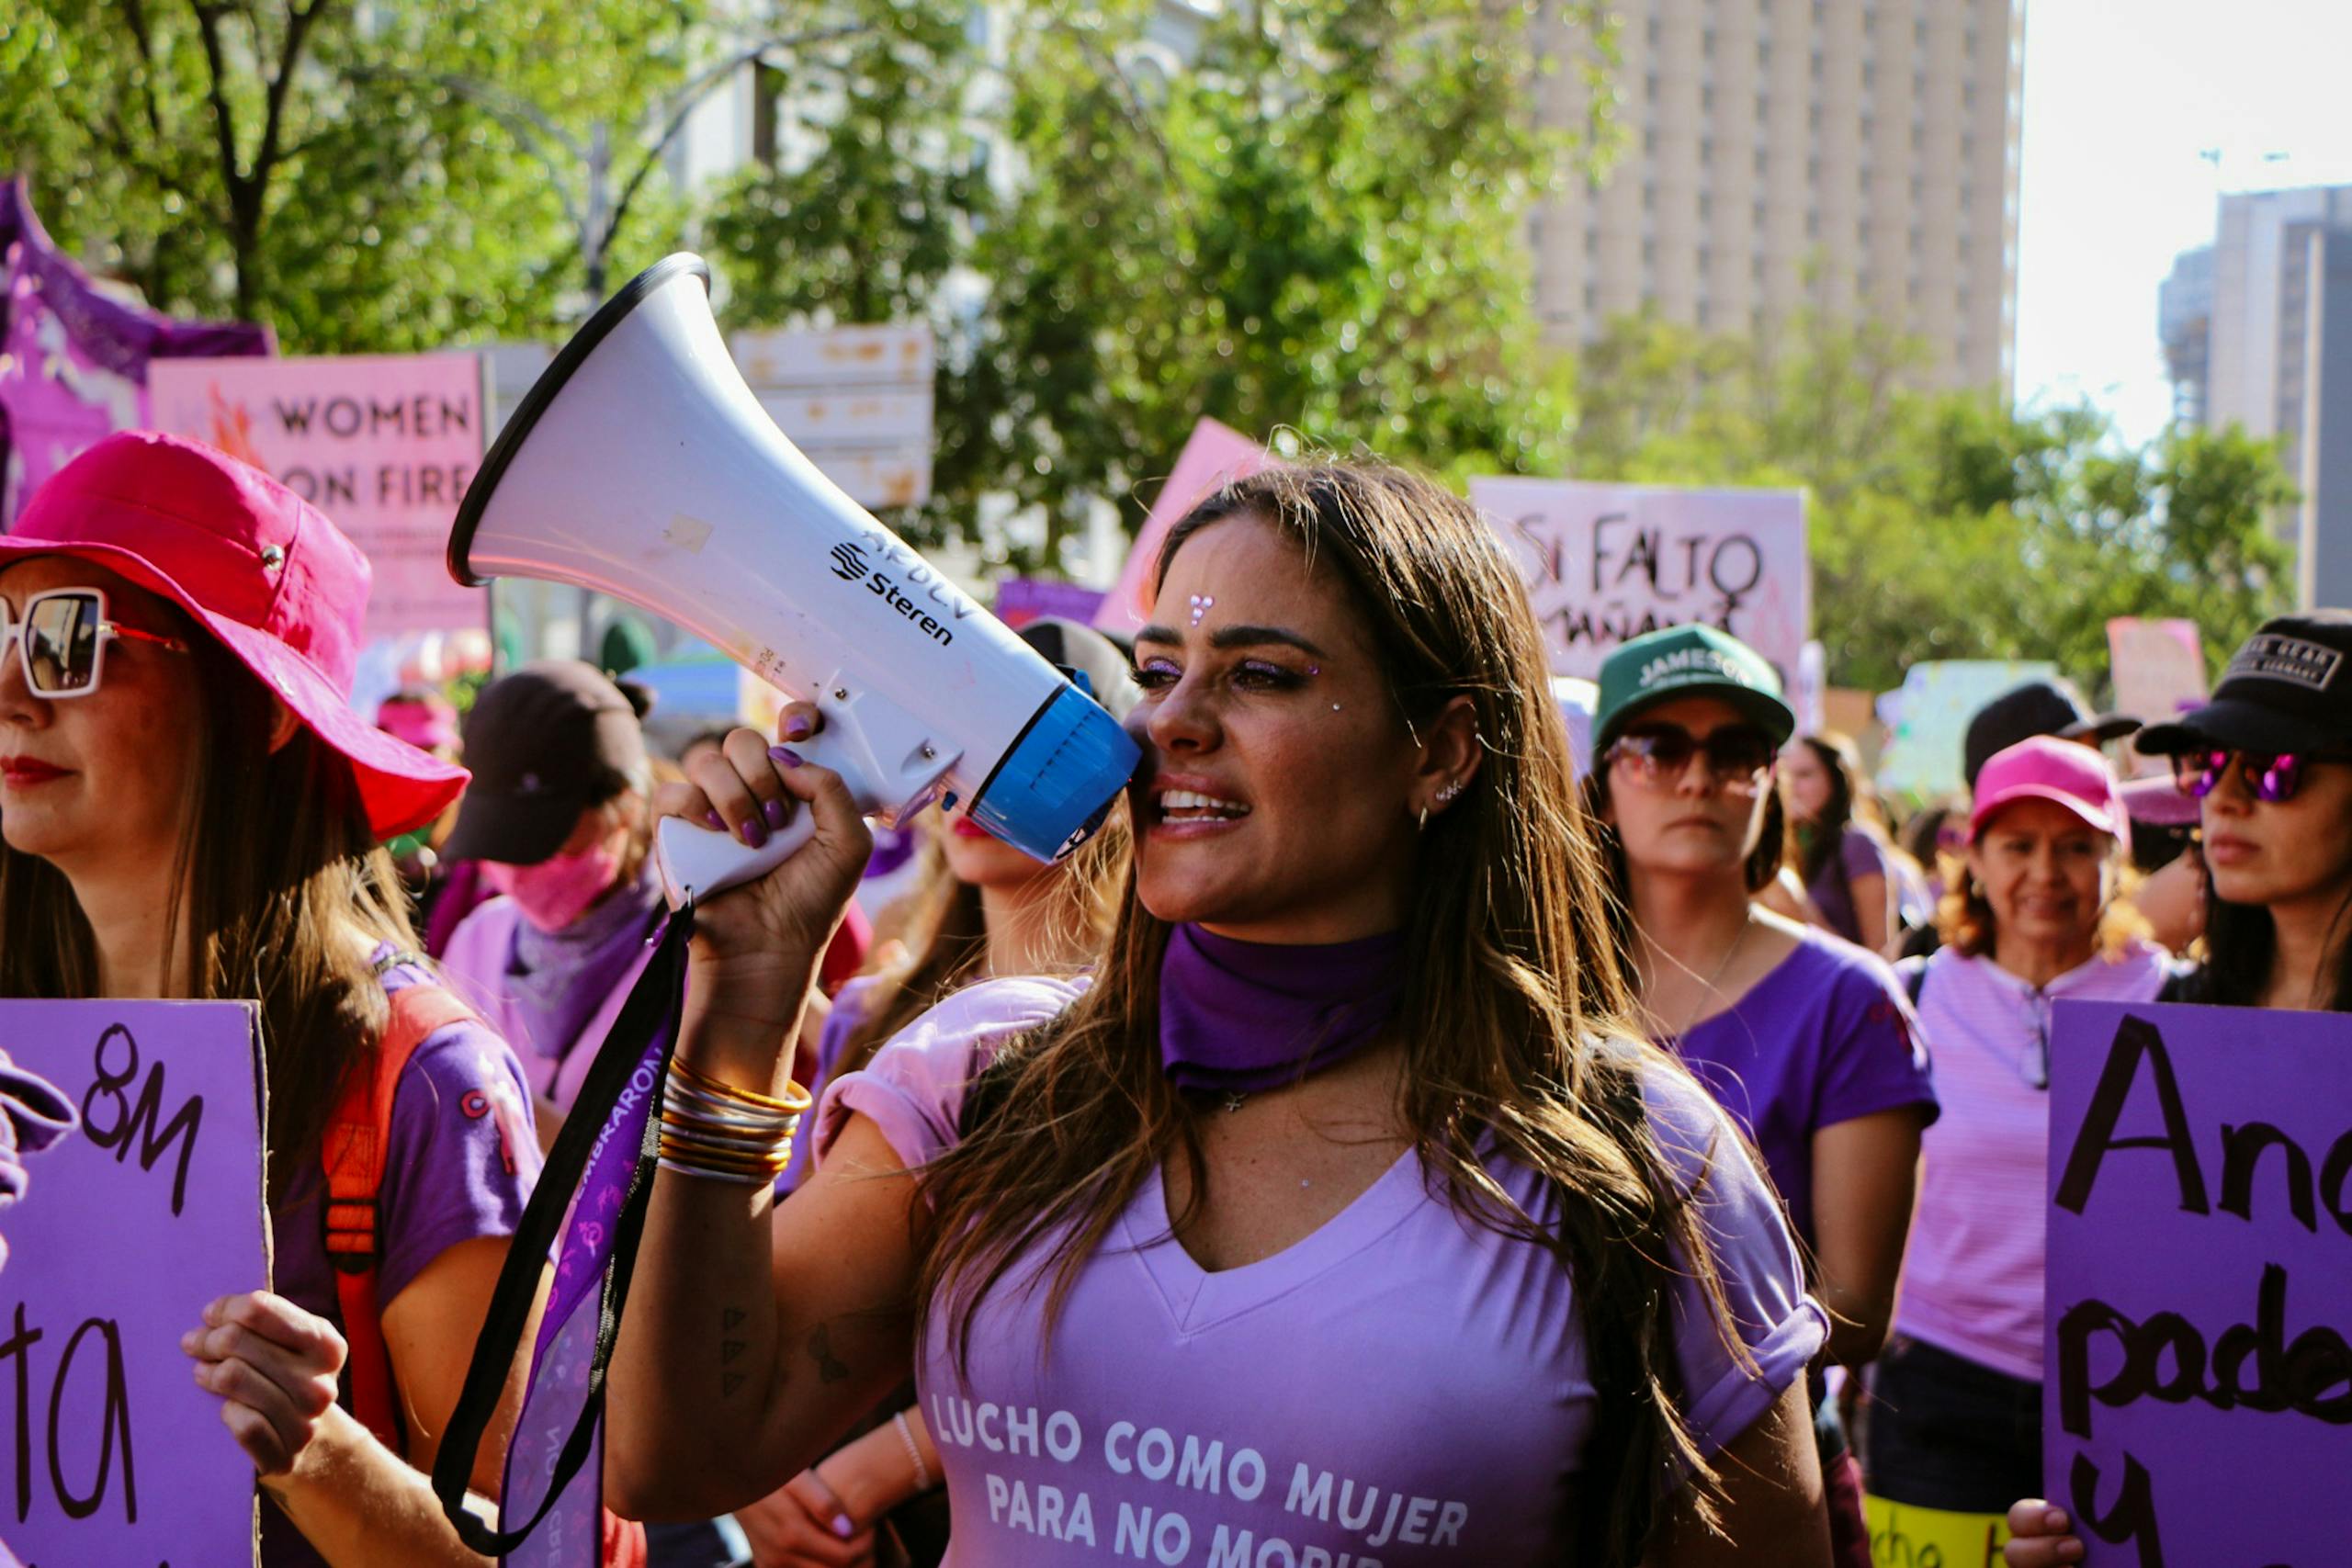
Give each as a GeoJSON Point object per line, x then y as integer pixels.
{"type": "Point", "coordinates": [2269, 761]}
{"type": "Point", "coordinates": [557, 815]}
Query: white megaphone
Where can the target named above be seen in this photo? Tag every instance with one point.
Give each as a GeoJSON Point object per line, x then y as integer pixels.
{"type": "Point", "coordinates": [642, 465]}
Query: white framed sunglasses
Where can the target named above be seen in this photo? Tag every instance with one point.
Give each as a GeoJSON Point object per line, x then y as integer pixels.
{"type": "Point", "coordinates": [61, 637]}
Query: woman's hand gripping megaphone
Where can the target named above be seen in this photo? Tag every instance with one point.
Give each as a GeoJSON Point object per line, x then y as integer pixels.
{"type": "Point", "coordinates": [756, 945]}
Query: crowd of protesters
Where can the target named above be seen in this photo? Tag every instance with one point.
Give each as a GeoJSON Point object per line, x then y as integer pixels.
{"type": "Point", "coordinates": [1286, 1114]}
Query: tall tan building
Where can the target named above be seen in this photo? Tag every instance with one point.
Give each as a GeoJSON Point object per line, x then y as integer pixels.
{"type": "Point", "coordinates": [1859, 155]}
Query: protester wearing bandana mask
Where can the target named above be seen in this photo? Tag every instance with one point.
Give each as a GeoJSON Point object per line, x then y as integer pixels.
{"type": "Point", "coordinates": [557, 816]}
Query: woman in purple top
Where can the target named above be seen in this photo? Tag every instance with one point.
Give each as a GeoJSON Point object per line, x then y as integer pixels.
{"type": "Point", "coordinates": [1842, 852]}
{"type": "Point", "coordinates": [1344, 1218]}
{"type": "Point", "coordinates": [1805, 1040]}
{"type": "Point", "coordinates": [191, 810]}
{"type": "Point", "coordinates": [982, 908]}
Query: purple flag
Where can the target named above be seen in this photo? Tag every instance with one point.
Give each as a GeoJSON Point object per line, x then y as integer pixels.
{"type": "Point", "coordinates": [73, 357]}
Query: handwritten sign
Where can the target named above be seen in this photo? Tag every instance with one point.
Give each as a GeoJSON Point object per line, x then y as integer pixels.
{"type": "Point", "coordinates": [1604, 563]}
{"type": "Point", "coordinates": [2198, 1395]}
{"type": "Point", "coordinates": [1214, 454]}
{"type": "Point", "coordinates": [1904, 1536]}
{"type": "Point", "coordinates": [129, 1227]}
{"type": "Point", "coordinates": [384, 444]}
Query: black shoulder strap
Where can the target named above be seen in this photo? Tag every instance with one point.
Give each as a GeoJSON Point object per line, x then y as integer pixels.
{"type": "Point", "coordinates": [650, 1013]}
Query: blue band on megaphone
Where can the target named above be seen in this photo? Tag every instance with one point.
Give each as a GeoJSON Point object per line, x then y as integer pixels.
{"type": "Point", "coordinates": [1058, 781]}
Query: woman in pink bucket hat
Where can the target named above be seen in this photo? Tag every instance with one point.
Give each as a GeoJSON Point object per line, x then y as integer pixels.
{"type": "Point", "coordinates": [190, 808]}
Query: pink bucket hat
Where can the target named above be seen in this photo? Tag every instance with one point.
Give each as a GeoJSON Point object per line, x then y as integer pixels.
{"type": "Point", "coordinates": [2045, 768]}
{"type": "Point", "coordinates": [255, 565]}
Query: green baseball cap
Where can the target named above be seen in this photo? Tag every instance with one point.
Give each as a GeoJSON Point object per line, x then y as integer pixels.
{"type": "Point", "coordinates": [1688, 661]}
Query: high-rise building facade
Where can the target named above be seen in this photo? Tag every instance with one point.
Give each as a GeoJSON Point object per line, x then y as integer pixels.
{"type": "Point", "coordinates": [2257, 333]}
{"type": "Point", "coordinates": [1858, 156]}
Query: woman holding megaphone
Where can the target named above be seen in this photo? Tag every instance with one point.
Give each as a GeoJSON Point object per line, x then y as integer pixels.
{"type": "Point", "coordinates": [1343, 1209]}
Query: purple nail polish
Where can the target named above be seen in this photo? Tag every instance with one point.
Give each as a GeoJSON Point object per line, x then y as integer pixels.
{"type": "Point", "coordinates": [754, 831]}
{"type": "Point", "coordinates": [715, 820]}
{"type": "Point", "coordinates": [787, 755]}
{"type": "Point", "coordinates": [796, 728]}
{"type": "Point", "coordinates": [773, 811]}
{"type": "Point", "coordinates": [842, 1527]}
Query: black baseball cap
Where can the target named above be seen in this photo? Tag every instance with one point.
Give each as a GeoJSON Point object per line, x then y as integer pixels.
{"type": "Point", "coordinates": [1082, 650]}
{"type": "Point", "coordinates": [2286, 690]}
{"type": "Point", "coordinates": [545, 743]}
{"type": "Point", "coordinates": [2040, 706]}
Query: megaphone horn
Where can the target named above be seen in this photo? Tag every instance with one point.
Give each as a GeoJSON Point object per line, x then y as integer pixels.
{"type": "Point", "coordinates": [642, 465]}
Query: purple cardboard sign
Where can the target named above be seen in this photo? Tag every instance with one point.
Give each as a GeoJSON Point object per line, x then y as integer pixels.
{"type": "Point", "coordinates": [2196, 1396]}
{"type": "Point", "coordinates": [127, 1227]}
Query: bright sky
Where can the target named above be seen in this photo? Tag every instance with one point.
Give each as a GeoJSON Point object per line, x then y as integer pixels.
{"type": "Point", "coordinates": [2121, 97]}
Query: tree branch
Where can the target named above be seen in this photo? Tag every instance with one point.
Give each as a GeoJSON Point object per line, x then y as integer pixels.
{"type": "Point", "coordinates": [135, 17]}
{"type": "Point", "coordinates": [290, 58]}
{"type": "Point", "coordinates": [692, 94]}
{"type": "Point", "coordinates": [224, 127]}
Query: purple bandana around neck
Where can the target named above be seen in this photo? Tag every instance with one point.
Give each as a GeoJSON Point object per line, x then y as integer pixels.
{"type": "Point", "coordinates": [1242, 1016]}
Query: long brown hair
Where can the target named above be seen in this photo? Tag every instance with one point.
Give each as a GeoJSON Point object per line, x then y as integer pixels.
{"type": "Point", "coordinates": [1514, 1016]}
{"type": "Point", "coordinates": [948, 933]}
{"type": "Point", "coordinates": [276, 875]}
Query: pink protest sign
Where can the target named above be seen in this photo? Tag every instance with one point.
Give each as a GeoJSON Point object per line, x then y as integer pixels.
{"type": "Point", "coordinates": [1214, 454]}
{"type": "Point", "coordinates": [2197, 1392]}
{"type": "Point", "coordinates": [384, 444]}
{"type": "Point", "coordinates": [1603, 563]}
{"type": "Point", "coordinates": [127, 1227]}
{"type": "Point", "coordinates": [2159, 673]}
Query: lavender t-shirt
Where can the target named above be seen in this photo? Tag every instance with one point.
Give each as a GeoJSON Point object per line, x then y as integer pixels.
{"type": "Point", "coordinates": [460, 1163]}
{"type": "Point", "coordinates": [1401, 1386]}
{"type": "Point", "coordinates": [1825, 1037]}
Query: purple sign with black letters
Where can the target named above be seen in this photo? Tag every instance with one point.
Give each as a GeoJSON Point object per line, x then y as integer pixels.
{"type": "Point", "coordinates": [2197, 1397]}
{"type": "Point", "coordinates": [127, 1227]}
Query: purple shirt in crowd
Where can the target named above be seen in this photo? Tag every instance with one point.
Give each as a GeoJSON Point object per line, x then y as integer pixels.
{"type": "Point", "coordinates": [461, 1160]}
{"type": "Point", "coordinates": [1826, 1036]}
{"type": "Point", "coordinates": [1402, 1386]}
{"type": "Point", "coordinates": [848, 1012]}
{"type": "Point", "coordinates": [1832, 891]}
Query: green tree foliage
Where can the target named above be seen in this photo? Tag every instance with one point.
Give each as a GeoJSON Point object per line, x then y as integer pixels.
{"type": "Point", "coordinates": [1316, 225]}
{"type": "Point", "coordinates": [1943, 525]}
{"type": "Point", "coordinates": [867, 196]}
{"type": "Point", "coordinates": [375, 177]}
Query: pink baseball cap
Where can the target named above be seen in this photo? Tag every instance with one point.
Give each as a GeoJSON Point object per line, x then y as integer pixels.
{"type": "Point", "coordinates": [259, 568]}
{"type": "Point", "coordinates": [2068, 772]}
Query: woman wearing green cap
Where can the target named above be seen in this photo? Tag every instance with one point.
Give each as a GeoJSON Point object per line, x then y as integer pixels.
{"type": "Point", "coordinates": [1806, 1039]}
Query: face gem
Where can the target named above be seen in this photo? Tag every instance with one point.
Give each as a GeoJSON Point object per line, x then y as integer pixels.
{"type": "Point", "coordinates": [1201, 603]}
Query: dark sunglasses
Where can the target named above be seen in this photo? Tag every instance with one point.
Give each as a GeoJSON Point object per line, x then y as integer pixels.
{"type": "Point", "coordinates": [1735, 751]}
{"type": "Point", "coordinates": [2273, 777]}
{"type": "Point", "coordinates": [62, 636]}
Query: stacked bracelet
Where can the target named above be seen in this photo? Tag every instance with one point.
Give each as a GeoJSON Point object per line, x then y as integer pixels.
{"type": "Point", "coordinates": [724, 1134]}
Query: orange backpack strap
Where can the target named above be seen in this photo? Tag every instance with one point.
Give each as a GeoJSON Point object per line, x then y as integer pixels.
{"type": "Point", "coordinates": [358, 1138]}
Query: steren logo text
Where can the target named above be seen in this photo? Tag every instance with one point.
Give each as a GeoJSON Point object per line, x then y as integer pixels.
{"type": "Point", "coordinates": [849, 564]}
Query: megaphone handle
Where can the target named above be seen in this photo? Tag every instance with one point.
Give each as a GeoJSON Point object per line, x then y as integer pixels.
{"type": "Point", "coordinates": [704, 861]}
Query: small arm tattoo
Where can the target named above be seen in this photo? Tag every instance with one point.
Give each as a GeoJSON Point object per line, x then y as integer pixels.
{"type": "Point", "coordinates": [829, 1366]}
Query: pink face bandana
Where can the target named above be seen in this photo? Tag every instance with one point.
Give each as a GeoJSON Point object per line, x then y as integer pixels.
{"type": "Point", "coordinates": [557, 892]}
